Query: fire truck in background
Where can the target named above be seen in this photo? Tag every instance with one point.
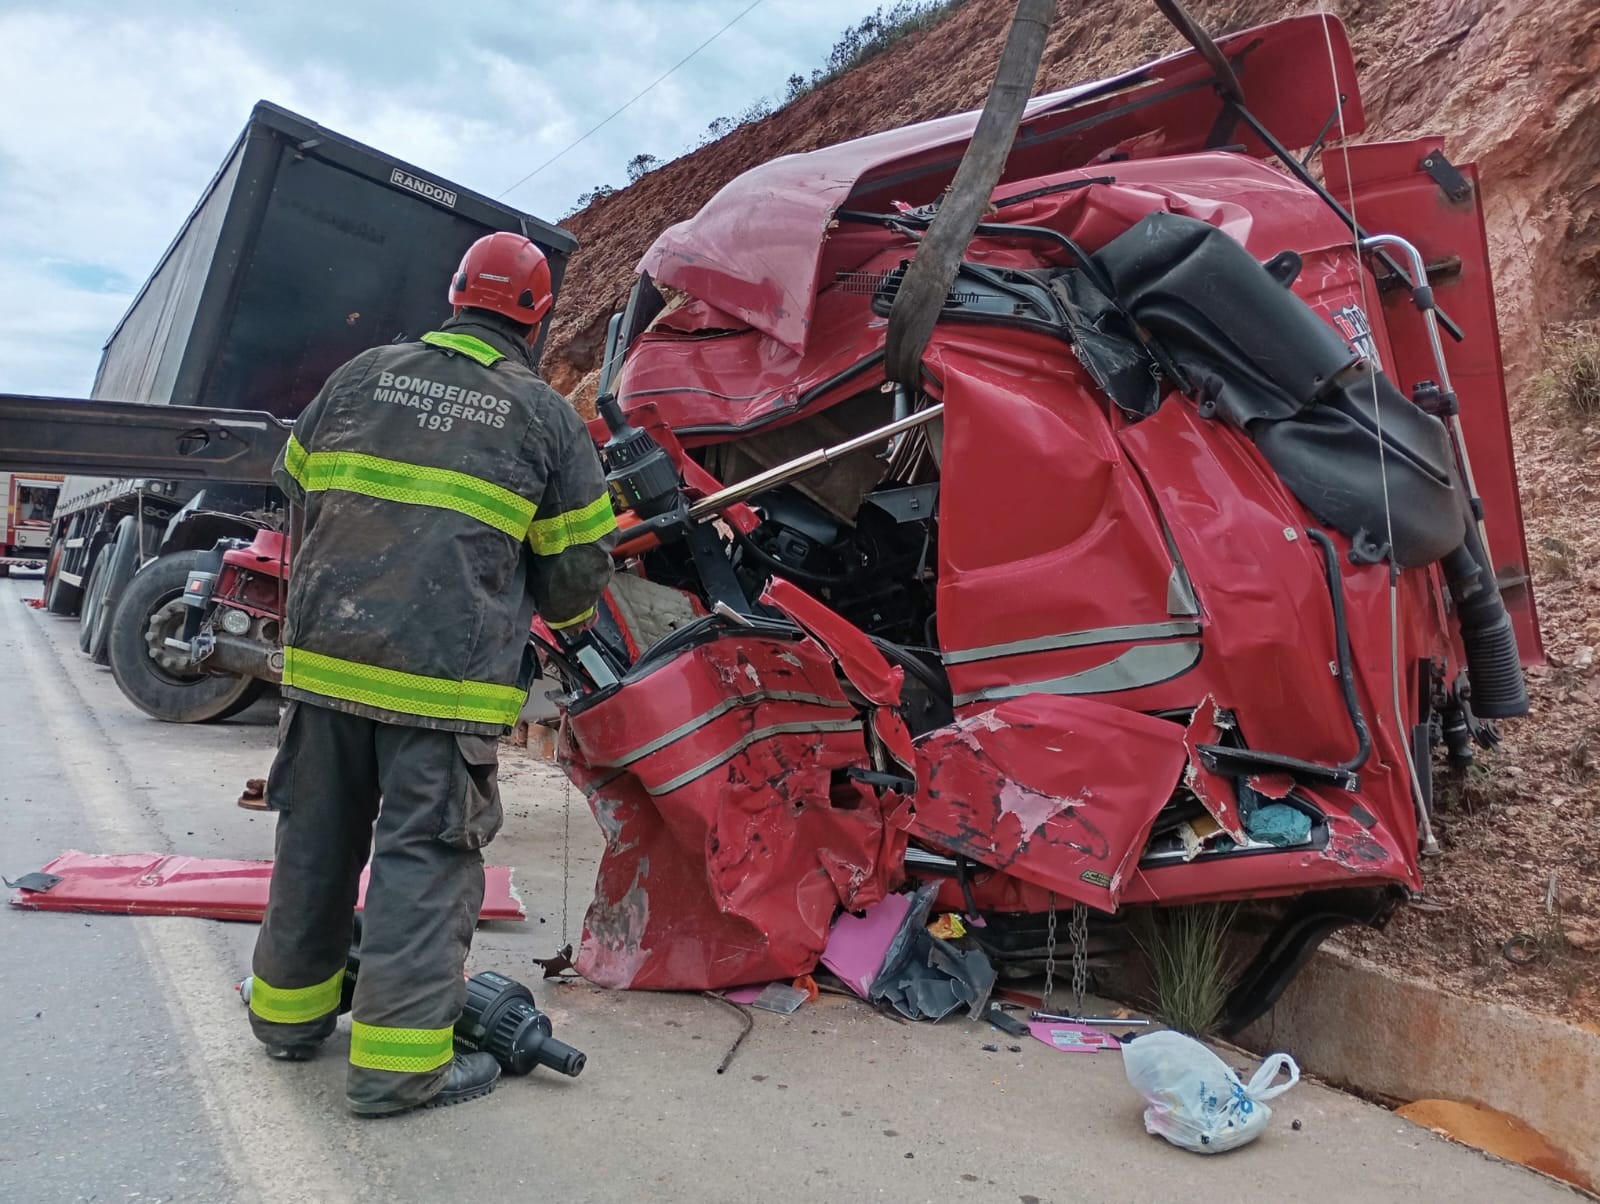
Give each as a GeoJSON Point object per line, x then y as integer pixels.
{"type": "Point", "coordinates": [29, 503]}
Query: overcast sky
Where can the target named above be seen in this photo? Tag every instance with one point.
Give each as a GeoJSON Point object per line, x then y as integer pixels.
{"type": "Point", "coordinates": [114, 116]}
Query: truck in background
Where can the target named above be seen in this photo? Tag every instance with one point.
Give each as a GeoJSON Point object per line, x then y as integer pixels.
{"type": "Point", "coordinates": [305, 249]}
{"type": "Point", "coordinates": [29, 503]}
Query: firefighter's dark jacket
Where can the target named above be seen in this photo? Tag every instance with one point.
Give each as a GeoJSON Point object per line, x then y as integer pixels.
{"type": "Point", "coordinates": [448, 491]}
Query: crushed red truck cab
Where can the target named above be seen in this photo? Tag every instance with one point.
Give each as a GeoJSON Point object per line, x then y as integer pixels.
{"type": "Point", "coordinates": [1171, 601]}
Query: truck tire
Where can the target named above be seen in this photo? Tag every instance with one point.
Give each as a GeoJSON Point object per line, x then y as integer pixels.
{"type": "Point", "coordinates": [60, 597]}
{"type": "Point", "coordinates": [121, 561]}
{"type": "Point", "coordinates": [91, 597]}
{"type": "Point", "coordinates": [150, 610]}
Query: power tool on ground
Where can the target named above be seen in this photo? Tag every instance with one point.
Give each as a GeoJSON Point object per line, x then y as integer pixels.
{"type": "Point", "coordinates": [500, 1018]}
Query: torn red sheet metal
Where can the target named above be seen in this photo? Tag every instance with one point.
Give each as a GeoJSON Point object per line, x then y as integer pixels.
{"type": "Point", "coordinates": [733, 831]}
{"type": "Point", "coordinates": [1215, 792]}
{"type": "Point", "coordinates": [157, 884]}
{"type": "Point", "coordinates": [863, 666]}
{"type": "Point", "coordinates": [1060, 792]}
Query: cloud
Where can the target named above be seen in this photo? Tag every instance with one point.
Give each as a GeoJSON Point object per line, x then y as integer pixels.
{"type": "Point", "coordinates": [118, 116]}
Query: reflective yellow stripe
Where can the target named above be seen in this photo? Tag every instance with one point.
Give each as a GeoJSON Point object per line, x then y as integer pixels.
{"type": "Point", "coordinates": [574, 621]}
{"type": "Point", "coordinates": [466, 344]}
{"type": "Point", "coordinates": [411, 484]}
{"type": "Point", "coordinates": [403, 1050]}
{"type": "Point", "coordinates": [551, 536]}
{"type": "Point", "coordinates": [294, 459]}
{"type": "Point", "coordinates": [407, 693]}
{"type": "Point", "coordinates": [295, 1005]}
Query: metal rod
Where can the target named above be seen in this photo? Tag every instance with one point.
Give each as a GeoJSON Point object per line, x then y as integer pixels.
{"type": "Point", "coordinates": [1228, 88]}
{"type": "Point", "coordinates": [1430, 319]}
{"type": "Point", "coordinates": [1305, 177]}
{"type": "Point", "coordinates": [809, 462]}
{"type": "Point", "coordinates": [1060, 1018]}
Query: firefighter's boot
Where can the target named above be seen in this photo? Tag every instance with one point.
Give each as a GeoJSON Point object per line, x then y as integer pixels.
{"type": "Point", "coordinates": [470, 1076]}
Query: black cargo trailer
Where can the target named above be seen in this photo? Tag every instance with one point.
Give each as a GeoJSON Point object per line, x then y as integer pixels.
{"type": "Point", "coordinates": [305, 249]}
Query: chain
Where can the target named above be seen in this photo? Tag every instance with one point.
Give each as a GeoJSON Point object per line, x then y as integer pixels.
{"type": "Point", "coordinates": [1078, 930]}
{"type": "Point", "coordinates": [566, 855]}
{"type": "Point", "coordinates": [1050, 954]}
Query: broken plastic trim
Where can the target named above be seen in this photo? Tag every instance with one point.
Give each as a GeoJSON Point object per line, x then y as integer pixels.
{"type": "Point", "coordinates": [1072, 639]}
{"type": "Point", "coordinates": [722, 708]}
{"type": "Point", "coordinates": [1144, 665]}
{"type": "Point", "coordinates": [745, 741]}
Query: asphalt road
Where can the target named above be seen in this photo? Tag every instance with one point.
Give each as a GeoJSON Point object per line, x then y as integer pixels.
{"type": "Point", "coordinates": [130, 1074]}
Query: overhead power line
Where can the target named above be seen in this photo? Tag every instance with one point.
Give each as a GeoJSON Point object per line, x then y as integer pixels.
{"type": "Point", "coordinates": [744, 12]}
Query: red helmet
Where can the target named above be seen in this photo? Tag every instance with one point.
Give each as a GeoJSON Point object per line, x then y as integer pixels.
{"type": "Point", "coordinates": [505, 273]}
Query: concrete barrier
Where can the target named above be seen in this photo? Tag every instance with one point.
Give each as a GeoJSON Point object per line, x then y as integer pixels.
{"type": "Point", "coordinates": [1376, 1032]}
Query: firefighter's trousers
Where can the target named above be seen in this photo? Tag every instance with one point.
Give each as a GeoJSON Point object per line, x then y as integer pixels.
{"type": "Point", "coordinates": [435, 801]}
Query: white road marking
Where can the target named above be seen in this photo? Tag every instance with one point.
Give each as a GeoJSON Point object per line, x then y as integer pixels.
{"type": "Point", "coordinates": [271, 1145]}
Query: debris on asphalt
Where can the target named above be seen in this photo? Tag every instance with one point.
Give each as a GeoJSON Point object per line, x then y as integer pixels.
{"type": "Point", "coordinates": [559, 964]}
{"type": "Point", "coordinates": [1062, 1017]}
{"type": "Point", "coordinates": [37, 882]}
{"type": "Point", "coordinates": [747, 1022]}
{"type": "Point", "coordinates": [1495, 1132]}
{"type": "Point", "coordinates": [926, 978]}
{"type": "Point", "coordinates": [1009, 1025]}
{"type": "Point", "coordinates": [1194, 1100]}
{"type": "Point", "coordinates": [948, 927]}
{"type": "Point", "coordinates": [857, 944]}
{"type": "Point", "coordinates": [1072, 1037]}
{"type": "Point", "coordinates": [777, 997]}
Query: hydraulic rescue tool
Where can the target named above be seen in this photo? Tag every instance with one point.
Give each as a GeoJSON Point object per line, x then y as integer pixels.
{"type": "Point", "coordinates": [500, 1018]}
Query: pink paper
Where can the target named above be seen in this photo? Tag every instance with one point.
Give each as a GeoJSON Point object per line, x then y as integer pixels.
{"type": "Point", "coordinates": [1072, 1038]}
{"type": "Point", "coordinates": [744, 994]}
{"type": "Point", "coordinates": [857, 944]}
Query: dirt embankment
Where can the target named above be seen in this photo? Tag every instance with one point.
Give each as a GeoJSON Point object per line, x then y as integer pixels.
{"type": "Point", "coordinates": [1513, 82]}
{"type": "Point", "coordinates": [1515, 86]}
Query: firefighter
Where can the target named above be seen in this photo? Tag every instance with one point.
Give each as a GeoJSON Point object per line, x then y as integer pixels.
{"type": "Point", "coordinates": [448, 492]}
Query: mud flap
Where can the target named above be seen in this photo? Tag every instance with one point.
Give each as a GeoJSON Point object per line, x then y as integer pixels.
{"type": "Point", "coordinates": [734, 830]}
{"type": "Point", "coordinates": [1059, 792]}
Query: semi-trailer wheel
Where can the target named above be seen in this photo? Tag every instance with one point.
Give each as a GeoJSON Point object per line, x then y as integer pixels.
{"type": "Point", "coordinates": [157, 679]}
{"type": "Point", "coordinates": [60, 597]}
{"type": "Point", "coordinates": [116, 566]}
{"type": "Point", "coordinates": [91, 598]}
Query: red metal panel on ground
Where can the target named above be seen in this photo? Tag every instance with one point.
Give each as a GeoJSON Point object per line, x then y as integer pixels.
{"type": "Point", "coordinates": [157, 884]}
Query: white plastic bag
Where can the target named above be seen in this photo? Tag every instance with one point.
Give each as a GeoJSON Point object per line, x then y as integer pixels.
{"type": "Point", "coordinates": [1194, 1100]}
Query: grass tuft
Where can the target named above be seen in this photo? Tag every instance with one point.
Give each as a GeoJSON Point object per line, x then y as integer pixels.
{"type": "Point", "coordinates": [1191, 964]}
{"type": "Point", "coordinates": [1569, 382]}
